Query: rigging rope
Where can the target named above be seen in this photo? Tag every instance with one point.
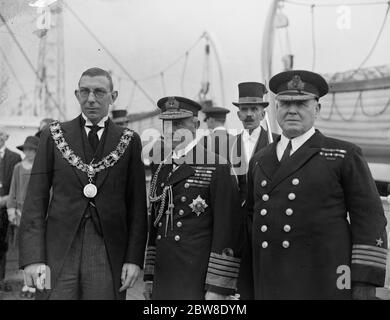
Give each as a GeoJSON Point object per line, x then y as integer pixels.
{"type": "Point", "coordinates": [12, 71]}
{"type": "Point", "coordinates": [109, 53]}
{"type": "Point", "coordinates": [221, 80]}
{"type": "Point", "coordinates": [313, 39]}
{"type": "Point", "coordinates": [375, 42]}
{"type": "Point", "coordinates": [132, 94]}
{"type": "Point", "coordinates": [183, 74]}
{"type": "Point", "coordinates": [23, 52]}
{"type": "Point", "coordinates": [373, 47]}
{"type": "Point", "coordinates": [176, 61]}
{"type": "Point", "coordinates": [206, 73]}
{"type": "Point", "coordinates": [358, 103]}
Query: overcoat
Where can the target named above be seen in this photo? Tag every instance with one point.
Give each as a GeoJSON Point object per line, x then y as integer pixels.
{"type": "Point", "coordinates": [314, 217]}
{"type": "Point", "coordinates": [9, 160]}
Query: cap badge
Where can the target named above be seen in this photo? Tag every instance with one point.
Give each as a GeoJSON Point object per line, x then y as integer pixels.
{"type": "Point", "coordinates": [296, 83]}
{"type": "Point", "coordinates": [172, 103]}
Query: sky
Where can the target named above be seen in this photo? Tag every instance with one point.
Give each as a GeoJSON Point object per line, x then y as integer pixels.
{"type": "Point", "coordinates": [148, 35]}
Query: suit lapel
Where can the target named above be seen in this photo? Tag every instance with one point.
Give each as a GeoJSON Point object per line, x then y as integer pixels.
{"type": "Point", "coordinates": [88, 153]}
{"type": "Point", "coordinates": [310, 148]}
{"type": "Point", "coordinates": [268, 160]}
{"type": "Point", "coordinates": [241, 149]}
{"type": "Point", "coordinates": [182, 172]}
{"type": "Point", "coordinates": [5, 161]}
{"type": "Point", "coordinates": [262, 141]}
{"type": "Point", "coordinates": [72, 134]}
{"type": "Point", "coordinates": [111, 140]}
{"type": "Point", "coordinates": [5, 158]}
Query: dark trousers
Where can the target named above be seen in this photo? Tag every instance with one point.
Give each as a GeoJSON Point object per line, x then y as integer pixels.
{"type": "Point", "coordinates": [245, 283]}
{"type": "Point", "coordinates": [86, 273]}
{"type": "Point", "coordinates": [3, 259]}
{"type": "Point", "coordinates": [3, 241]}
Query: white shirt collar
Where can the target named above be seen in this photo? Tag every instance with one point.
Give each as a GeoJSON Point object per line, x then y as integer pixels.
{"type": "Point", "coordinates": [2, 151]}
{"type": "Point", "coordinates": [219, 128]}
{"type": "Point", "coordinates": [254, 136]}
{"type": "Point", "coordinates": [296, 142]}
{"type": "Point", "coordinates": [89, 123]}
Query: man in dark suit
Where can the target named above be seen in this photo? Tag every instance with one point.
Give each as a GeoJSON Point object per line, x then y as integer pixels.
{"type": "Point", "coordinates": [318, 224]}
{"type": "Point", "coordinates": [85, 211]}
{"type": "Point", "coordinates": [251, 140]}
{"type": "Point", "coordinates": [219, 140]}
{"type": "Point", "coordinates": [254, 137]}
{"type": "Point", "coordinates": [8, 160]}
{"type": "Point", "coordinates": [194, 244]}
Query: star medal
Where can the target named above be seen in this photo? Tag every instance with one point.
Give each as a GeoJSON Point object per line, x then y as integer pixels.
{"type": "Point", "coordinates": [198, 205]}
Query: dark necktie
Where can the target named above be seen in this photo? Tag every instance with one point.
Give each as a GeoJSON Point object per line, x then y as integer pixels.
{"type": "Point", "coordinates": [93, 137]}
{"type": "Point", "coordinates": [286, 153]}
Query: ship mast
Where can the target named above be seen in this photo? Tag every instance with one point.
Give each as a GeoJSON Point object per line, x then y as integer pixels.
{"type": "Point", "coordinates": [50, 87]}
{"type": "Point", "coordinates": [266, 60]}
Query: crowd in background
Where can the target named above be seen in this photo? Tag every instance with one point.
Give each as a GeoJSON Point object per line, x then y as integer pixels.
{"type": "Point", "coordinates": [14, 178]}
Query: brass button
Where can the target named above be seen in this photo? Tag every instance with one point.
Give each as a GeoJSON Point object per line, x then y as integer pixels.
{"type": "Point", "coordinates": [263, 212]}
{"type": "Point", "coordinates": [291, 196]}
{"type": "Point", "coordinates": [263, 228]}
{"type": "Point", "coordinates": [159, 237]}
{"type": "Point", "coordinates": [179, 224]}
{"type": "Point", "coordinates": [265, 197]}
{"type": "Point", "coordinates": [285, 244]}
{"type": "Point", "coordinates": [264, 244]}
{"type": "Point", "coordinates": [183, 199]}
{"type": "Point", "coordinates": [295, 181]}
{"type": "Point", "coordinates": [289, 211]}
{"type": "Point", "coordinates": [177, 238]}
{"type": "Point", "coordinates": [162, 184]}
{"type": "Point", "coordinates": [263, 183]}
{"type": "Point", "coordinates": [287, 228]}
{"type": "Point", "coordinates": [160, 224]}
{"type": "Point", "coordinates": [186, 185]}
{"type": "Point", "coordinates": [181, 212]}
